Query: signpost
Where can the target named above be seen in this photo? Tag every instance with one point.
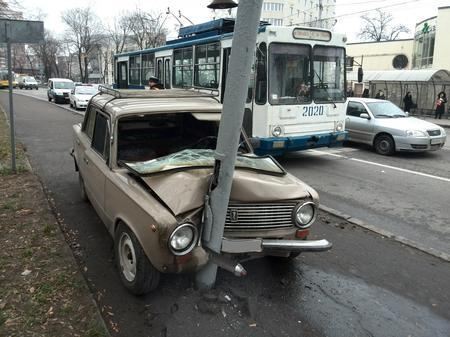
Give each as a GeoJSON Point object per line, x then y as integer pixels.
{"type": "Point", "coordinates": [17, 31]}
{"type": "Point", "coordinates": [242, 56]}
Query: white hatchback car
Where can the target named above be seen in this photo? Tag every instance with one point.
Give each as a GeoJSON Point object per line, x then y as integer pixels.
{"type": "Point", "coordinates": [387, 128]}
{"type": "Point", "coordinates": [80, 95]}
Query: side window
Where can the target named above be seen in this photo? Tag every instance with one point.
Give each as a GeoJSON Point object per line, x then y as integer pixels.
{"type": "Point", "coordinates": [88, 123]}
{"type": "Point", "coordinates": [355, 109]}
{"type": "Point", "coordinates": [101, 135]}
{"type": "Point", "coordinates": [261, 74]}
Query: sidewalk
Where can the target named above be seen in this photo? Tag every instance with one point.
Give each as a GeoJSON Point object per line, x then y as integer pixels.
{"type": "Point", "coordinates": [444, 122]}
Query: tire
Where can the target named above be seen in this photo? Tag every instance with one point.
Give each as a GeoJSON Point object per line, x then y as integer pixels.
{"type": "Point", "coordinates": [75, 105]}
{"type": "Point", "coordinates": [384, 145]}
{"type": "Point", "coordinates": [49, 98]}
{"type": "Point", "coordinates": [138, 275]}
{"type": "Point", "coordinates": [83, 194]}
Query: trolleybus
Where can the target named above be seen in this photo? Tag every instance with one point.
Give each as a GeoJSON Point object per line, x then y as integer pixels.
{"type": "Point", "coordinates": [296, 95]}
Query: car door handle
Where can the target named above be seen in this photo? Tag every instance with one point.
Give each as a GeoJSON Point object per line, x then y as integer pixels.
{"type": "Point", "coordinates": [86, 160]}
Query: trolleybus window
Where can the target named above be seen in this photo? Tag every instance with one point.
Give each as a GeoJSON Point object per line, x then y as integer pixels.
{"type": "Point", "coordinates": [329, 68]}
{"type": "Point", "coordinates": [135, 67]}
{"type": "Point", "coordinates": [148, 67]}
{"type": "Point", "coordinates": [289, 74]}
{"type": "Point", "coordinates": [261, 74]}
{"type": "Point", "coordinates": [207, 64]}
{"type": "Point", "coordinates": [182, 67]}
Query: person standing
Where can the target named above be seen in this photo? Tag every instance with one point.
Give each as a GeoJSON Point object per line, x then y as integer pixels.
{"type": "Point", "coordinates": [440, 105]}
{"type": "Point", "coordinates": [407, 100]}
{"type": "Point", "coordinates": [380, 95]}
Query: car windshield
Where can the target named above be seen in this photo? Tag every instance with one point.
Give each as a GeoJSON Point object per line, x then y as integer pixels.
{"type": "Point", "coordinates": [63, 85]}
{"type": "Point", "coordinates": [30, 79]}
{"type": "Point", "coordinates": [203, 158]}
{"type": "Point", "coordinates": [85, 90]}
{"type": "Point", "coordinates": [385, 110]}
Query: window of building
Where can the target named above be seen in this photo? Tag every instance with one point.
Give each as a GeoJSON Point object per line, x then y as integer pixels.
{"type": "Point", "coordinates": [135, 67]}
{"type": "Point", "coordinates": [424, 47]}
{"type": "Point", "coordinates": [207, 65]}
{"type": "Point", "coordinates": [148, 67]}
{"type": "Point", "coordinates": [400, 61]}
{"type": "Point", "coordinates": [182, 67]}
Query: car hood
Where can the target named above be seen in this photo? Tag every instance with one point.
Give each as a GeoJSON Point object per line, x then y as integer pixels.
{"type": "Point", "coordinates": [60, 91]}
{"type": "Point", "coordinates": [84, 97]}
{"type": "Point", "coordinates": [406, 123]}
{"type": "Point", "coordinates": [185, 190]}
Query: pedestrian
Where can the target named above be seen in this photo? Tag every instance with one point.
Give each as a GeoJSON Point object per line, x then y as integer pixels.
{"type": "Point", "coordinates": [380, 95]}
{"type": "Point", "coordinates": [407, 100]}
{"type": "Point", "coordinates": [440, 105]}
{"type": "Point", "coordinates": [365, 93]}
{"type": "Point", "coordinates": [153, 83]}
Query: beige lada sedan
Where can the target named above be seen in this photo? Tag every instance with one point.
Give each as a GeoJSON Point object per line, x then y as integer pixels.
{"type": "Point", "coordinates": [145, 161]}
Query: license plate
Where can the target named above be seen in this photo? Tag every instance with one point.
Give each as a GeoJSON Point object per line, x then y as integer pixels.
{"type": "Point", "coordinates": [435, 141]}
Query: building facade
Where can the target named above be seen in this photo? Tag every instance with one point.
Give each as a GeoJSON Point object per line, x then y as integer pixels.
{"type": "Point", "coordinates": [428, 49]}
{"type": "Point", "coordinates": [312, 13]}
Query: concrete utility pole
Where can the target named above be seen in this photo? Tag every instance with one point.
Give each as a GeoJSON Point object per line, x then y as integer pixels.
{"type": "Point", "coordinates": [242, 57]}
{"type": "Point", "coordinates": [320, 13]}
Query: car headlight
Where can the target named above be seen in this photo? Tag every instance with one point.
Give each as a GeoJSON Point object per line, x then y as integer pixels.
{"type": "Point", "coordinates": [305, 214]}
{"type": "Point", "coordinates": [415, 133]}
{"type": "Point", "coordinates": [183, 239]}
{"type": "Point", "coordinates": [443, 132]}
{"type": "Point", "coordinates": [277, 131]}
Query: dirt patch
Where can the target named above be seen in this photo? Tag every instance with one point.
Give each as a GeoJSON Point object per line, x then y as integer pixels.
{"type": "Point", "coordinates": [42, 292]}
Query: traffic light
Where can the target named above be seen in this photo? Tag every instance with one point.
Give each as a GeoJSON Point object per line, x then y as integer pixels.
{"type": "Point", "coordinates": [360, 74]}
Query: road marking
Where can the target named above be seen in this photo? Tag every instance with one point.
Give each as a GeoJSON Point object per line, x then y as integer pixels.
{"type": "Point", "coordinates": [323, 153]}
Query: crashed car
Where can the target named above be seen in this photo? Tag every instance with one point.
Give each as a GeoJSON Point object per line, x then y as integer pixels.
{"type": "Point", "coordinates": [146, 161]}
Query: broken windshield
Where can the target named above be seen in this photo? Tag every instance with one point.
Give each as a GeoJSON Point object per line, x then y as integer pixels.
{"type": "Point", "coordinates": [202, 158]}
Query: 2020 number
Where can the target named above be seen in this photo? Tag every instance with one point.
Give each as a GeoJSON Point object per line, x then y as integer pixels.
{"type": "Point", "coordinates": [313, 111]}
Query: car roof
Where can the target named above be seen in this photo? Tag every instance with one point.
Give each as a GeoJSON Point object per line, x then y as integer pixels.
{"type": "Point", "coordinates": [119, 103]}
{"type": "Point", "coordinates": [366, 100]}
{"type": "Point", "coordinates": [60, 79]}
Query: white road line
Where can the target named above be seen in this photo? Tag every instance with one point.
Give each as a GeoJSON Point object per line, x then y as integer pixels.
{"type": "Point", "coordinates": [324, 153]}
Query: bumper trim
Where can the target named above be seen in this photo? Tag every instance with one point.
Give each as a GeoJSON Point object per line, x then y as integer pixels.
{"type": "Point", "coordinates": [236, 246]}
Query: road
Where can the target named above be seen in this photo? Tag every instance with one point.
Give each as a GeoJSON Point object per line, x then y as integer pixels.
{"type": "Point", "coordinates": [367, 285]}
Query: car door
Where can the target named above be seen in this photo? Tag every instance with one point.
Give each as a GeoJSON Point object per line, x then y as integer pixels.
{"type": "Point", "coordinates": [359, 129]}
{"type": "Point", "coordinates": [95, 162]}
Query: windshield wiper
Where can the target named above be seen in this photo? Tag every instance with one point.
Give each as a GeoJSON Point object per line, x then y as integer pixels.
{"type": "Point", "coordinates": [398, 115]}
{"type": "Point", "coordinates": [381, 115]}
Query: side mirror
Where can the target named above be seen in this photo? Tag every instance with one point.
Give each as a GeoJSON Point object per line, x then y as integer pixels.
{"type": "Point", "coordinates": [364, 115]}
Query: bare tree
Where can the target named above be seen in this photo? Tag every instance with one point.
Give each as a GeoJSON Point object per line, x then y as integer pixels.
{"type": "Point", "coordinates": [119, 32]}
{"type": "Point", "coordinates": [9, 9]}
{"type": "Point", "coordinates": [147, 29]}
{"type": "Point", "coordinates": [46, 53]}
{"type": "Point", "coordinates": [379, 27]}
{"type": "Point", "coordinates": [84, 34]}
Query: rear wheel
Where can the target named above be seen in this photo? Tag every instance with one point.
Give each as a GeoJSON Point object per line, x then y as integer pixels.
{"type": "Point", "coordinates": [384, 145]}
{"type": "Point", "coordinates": [136, 271]}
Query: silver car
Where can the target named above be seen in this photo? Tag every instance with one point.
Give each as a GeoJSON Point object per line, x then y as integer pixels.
{"type": "Point", "coordinates": [387, 128]}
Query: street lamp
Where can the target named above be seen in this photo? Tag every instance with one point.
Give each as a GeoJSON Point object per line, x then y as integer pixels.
{"type": "Point", "coordinates": [222, 4]}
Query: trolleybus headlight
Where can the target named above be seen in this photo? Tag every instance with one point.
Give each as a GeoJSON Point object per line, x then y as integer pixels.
{"type": "Point", "coordinates": [339, 126]}
{"type": "Point", "coordinates": [183, 239]}
{"type": "Point", "coordinates": [305, 214]}
{"type": "Point", "coordinates": [277, 131]}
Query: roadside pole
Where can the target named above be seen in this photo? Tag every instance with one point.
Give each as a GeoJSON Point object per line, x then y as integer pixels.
{"type": "Point", "coordinates": [242, 56]}
{"type": "Point", "coordinates": [11, 108]}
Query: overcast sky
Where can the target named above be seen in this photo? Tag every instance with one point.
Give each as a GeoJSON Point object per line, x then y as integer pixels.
{"type": "Point", "coordinates": [348, 12]}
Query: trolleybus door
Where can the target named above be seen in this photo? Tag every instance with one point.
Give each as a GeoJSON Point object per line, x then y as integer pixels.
{"type": "Point", "coordinates": [122, 75]}
{"type": "Point", "coordinates": [163, 67]}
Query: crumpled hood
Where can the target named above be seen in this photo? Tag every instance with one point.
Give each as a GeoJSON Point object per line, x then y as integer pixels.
{"type": "Point", "coordinates": [186, 190]}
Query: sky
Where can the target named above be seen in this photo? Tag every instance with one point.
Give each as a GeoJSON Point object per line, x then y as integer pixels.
{"type": "Point", "coordinates": [348, 12]}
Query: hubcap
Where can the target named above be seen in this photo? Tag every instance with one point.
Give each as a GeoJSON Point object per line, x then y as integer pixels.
{"type": "Point", "coordinates": [384, 145]}
{"type": "Point", "coordinates": [127, 257]}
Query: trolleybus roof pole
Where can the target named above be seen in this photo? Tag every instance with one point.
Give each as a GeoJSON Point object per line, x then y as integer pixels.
{"type": "Point", "coordinates": [242, 55]}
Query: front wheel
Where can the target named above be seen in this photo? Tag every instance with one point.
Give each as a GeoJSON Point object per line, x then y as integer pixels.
{"type": "Point", "coordinates": [49, 98]}
{"type": "Point", "coordinates": [136, 271]}
{"type": "Point", "coordinates": [384, 145]}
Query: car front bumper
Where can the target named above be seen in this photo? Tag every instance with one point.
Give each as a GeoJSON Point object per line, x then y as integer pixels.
{"type": "Point", "coordinates": [240, 246]}
{"type": "Point", "coordinates": [419, 144]}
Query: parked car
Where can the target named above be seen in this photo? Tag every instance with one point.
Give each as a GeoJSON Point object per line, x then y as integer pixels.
{"type": "Point", "coordinates": [80, 96]}
{"type": "Point", "coordinates": [387, 128]}
{"type": "Point", "coordinates": [146, 161]}
{"type": "Point", "coordinates": [27, 82]}
{"type": "Point", "coordinates": [59, 89]}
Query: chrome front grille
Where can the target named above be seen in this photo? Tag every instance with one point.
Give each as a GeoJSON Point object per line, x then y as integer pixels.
{"type": "Point", "coordinates": [242, 216]}
{"type": "Point", "coordinates": [434, 132]}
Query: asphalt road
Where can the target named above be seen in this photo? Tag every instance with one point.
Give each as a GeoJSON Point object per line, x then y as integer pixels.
{"type": "Point", "coordinates": [366, 285]}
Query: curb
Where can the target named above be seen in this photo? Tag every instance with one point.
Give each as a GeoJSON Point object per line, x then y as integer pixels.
{"type": "Point", "coordinates": [385, 233]}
